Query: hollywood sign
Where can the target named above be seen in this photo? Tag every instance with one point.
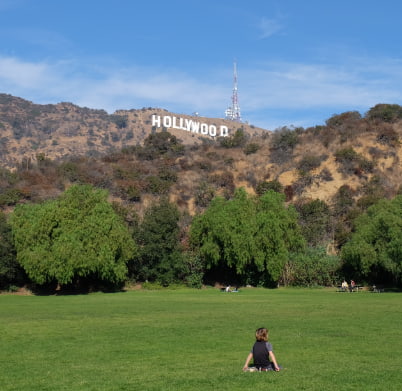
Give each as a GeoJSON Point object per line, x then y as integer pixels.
{"type": "Point", "coordinates": [189, 125]}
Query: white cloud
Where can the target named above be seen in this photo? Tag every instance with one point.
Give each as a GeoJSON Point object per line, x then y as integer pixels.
{"type": "Point", "coordinates": [14, 72]}
{"type": "Point", "coordinates": [269, 27]}
{"type": "Point", "coordinates": [108, 89]}
{"type": "Point", "coordinates": [295, 86]}
{"type": "Point", "coordinates": [293, 93]}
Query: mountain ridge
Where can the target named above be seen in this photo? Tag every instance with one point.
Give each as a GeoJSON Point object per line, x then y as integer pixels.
{"type": "Point", "coordinates": [65, 129]}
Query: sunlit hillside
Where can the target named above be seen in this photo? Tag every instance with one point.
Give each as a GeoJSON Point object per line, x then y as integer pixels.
{"type": "Point", "coordinates": [46, 148]}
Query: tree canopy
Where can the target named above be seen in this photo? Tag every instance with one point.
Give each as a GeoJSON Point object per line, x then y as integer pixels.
{"type": "Point", "coordinates": [375, 248]}
{"type": "Point", "coordinates": [159, 247]}
{"type": "Point", "coordinates": [250, 235]}
{"type": "Point", "coordinates": [77, 235]}
{"type": "Point", "coordinates": [10, 271]}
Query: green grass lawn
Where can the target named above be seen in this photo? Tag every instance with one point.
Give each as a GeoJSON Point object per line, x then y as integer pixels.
{"type": "Point", "coordinates": [198, 340]}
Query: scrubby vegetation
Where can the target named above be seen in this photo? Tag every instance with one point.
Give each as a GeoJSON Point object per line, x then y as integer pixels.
{"type": "Point", "coordinates": [283, 207]}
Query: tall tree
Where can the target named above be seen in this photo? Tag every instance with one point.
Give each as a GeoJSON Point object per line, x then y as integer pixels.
{"type": "Point", "coordinates": [75, 236]}
{"type": "Point", "coordinates": [10, 271]}
{"type": "Point", "coordinates": [159, 245]}
{"type": "Point", "coordinates": [375, 249]}
{"type": "Point", "coordinates": [251, 236]}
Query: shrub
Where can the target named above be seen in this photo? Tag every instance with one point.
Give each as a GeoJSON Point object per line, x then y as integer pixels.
{"type": "Point", "coordinates": [347, 118]}
{"type": "Point", "coordinates": [326, 175]}
{"type": "Point", "coordinates": [238, 139]}
{"type": "Point", "coordinates": [156, 185]}
{"type": "Point", "coordinates": [194, 270]}
{"type": "Point", "coordinates": [204, 194]}
{"type": "Point", "coordinates": [282, 144]}
{"type": "Point", "coordinates": [160, 144]}
{"type": "Point", "coordinates": [388, 136]}
{"type": "Point", "coordinates": [304, 180]}
{"type": "Point", "coordinates": [264, 186]}
{"type": "Point", "coordinates": [223, 180]}
{"type": "Point", "coordinates": [229, 161]}
{"type": "Point", "coordinates": [343, 200]}
{"type": "Point", "coordinates": [251, 148]}
{"type": "Point", "coordinates": [71, 171]}
{"type": "Point", "coordinates": [168, 175]}
{"type": "Point", "coordinates": [346, 155]}
{"type": "Point", "coordinates": [133, 193]}
{"type": "Point", "coordinates": [346, 125]}
{"type": "Point", "coordinates": [385, 112]}
{"type": "Point", "coordinates": [9, 177]}
{"type": "Point", "coordinates": [119, 120]}
{"type": "Point", "coordinates": [205, 165]}
{"type": "Point", "coordinates": [10, 196]}
{"type": "Point", "coordinates": [129, 135]}
{"type": "Point", "coordinates": [289, 193]}
{"type": "Point", "coordinates": [312, 268]}
{"type": "Point", "coordinates": [284, 139]}
{"type": "Point", "coordinates": [310, 162]}
{"type": "Point", "coordinates": [372, 191]}
{"type": "Point", "coordinates": [115, 136]}
{"type": "Point", "coordinates": [376, 153]}
{"type": "Point", "coordinates": [352, 162]}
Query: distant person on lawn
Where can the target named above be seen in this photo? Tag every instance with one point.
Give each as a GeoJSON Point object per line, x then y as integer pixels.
{"type": "Point", "coordinates": [345, 286]}
{"type": "Point", "coordinates": [261, 353]}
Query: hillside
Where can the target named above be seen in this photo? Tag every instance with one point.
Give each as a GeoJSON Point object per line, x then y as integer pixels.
{"type": "Point", "coordinates": [66, 130]}
{"type": "Point", "coordinates": [46, 148]}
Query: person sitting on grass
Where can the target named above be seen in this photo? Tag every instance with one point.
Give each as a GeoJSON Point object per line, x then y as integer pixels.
{"type": "Point", "coordinates": [261, 353]}
{"type": "Point", "coordinates": [345, 286]}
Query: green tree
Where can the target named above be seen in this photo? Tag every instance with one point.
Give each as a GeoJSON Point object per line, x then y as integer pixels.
{"type": "Point", "coordinates": [11, 272]}
{"type": "Point", "coordinates": [314, 267]}
{"type": "Point", "coordinates": [315, 221]}
{"type": "Point", "coordinates": [77, 236]}
{"type": "Point", "coordinates": [375, 249]}
{"type": "Point", "coordinates": [159, 244]}
{"type": "Point", "coordinates": [247, 237]}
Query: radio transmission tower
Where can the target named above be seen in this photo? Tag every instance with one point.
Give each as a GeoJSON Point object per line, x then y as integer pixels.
{"type": "Point", "coordinates": [232, 113]}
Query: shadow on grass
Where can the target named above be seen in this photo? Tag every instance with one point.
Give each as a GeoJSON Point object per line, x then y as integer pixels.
{"type": "Point", "coordinates": [79, 287]}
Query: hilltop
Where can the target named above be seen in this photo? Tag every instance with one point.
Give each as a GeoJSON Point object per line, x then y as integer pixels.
{"type": "Point", "coordinates": [66, 130]}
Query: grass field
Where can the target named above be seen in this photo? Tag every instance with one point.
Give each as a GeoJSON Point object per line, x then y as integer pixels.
{"type": "Point", "coordinates": [198, 340]}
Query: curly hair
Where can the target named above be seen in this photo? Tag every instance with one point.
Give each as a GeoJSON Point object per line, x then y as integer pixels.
{"type": "Point", "coordinates": [261, 334]}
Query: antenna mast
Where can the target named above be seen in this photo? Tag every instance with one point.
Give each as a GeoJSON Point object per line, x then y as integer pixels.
{"type": "Point", "coordinates": [232, 113]}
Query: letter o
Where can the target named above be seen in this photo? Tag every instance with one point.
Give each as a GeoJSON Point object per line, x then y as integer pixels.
{"type": "Point", "coordinates": [167, 121]}
{"type": "Point", "coordinates": [204, 129]}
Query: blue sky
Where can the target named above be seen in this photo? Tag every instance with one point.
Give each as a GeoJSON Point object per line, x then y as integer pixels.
{"type": "Point", "coordinates": [299, 62]}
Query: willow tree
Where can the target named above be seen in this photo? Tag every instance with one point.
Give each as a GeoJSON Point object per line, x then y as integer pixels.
{"type": "Point", "coordinates": [374, 252]}
{"type": "Point", "coordinates": [249, 235]}
{"type": "Point", "coordinates": [78, 235]}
